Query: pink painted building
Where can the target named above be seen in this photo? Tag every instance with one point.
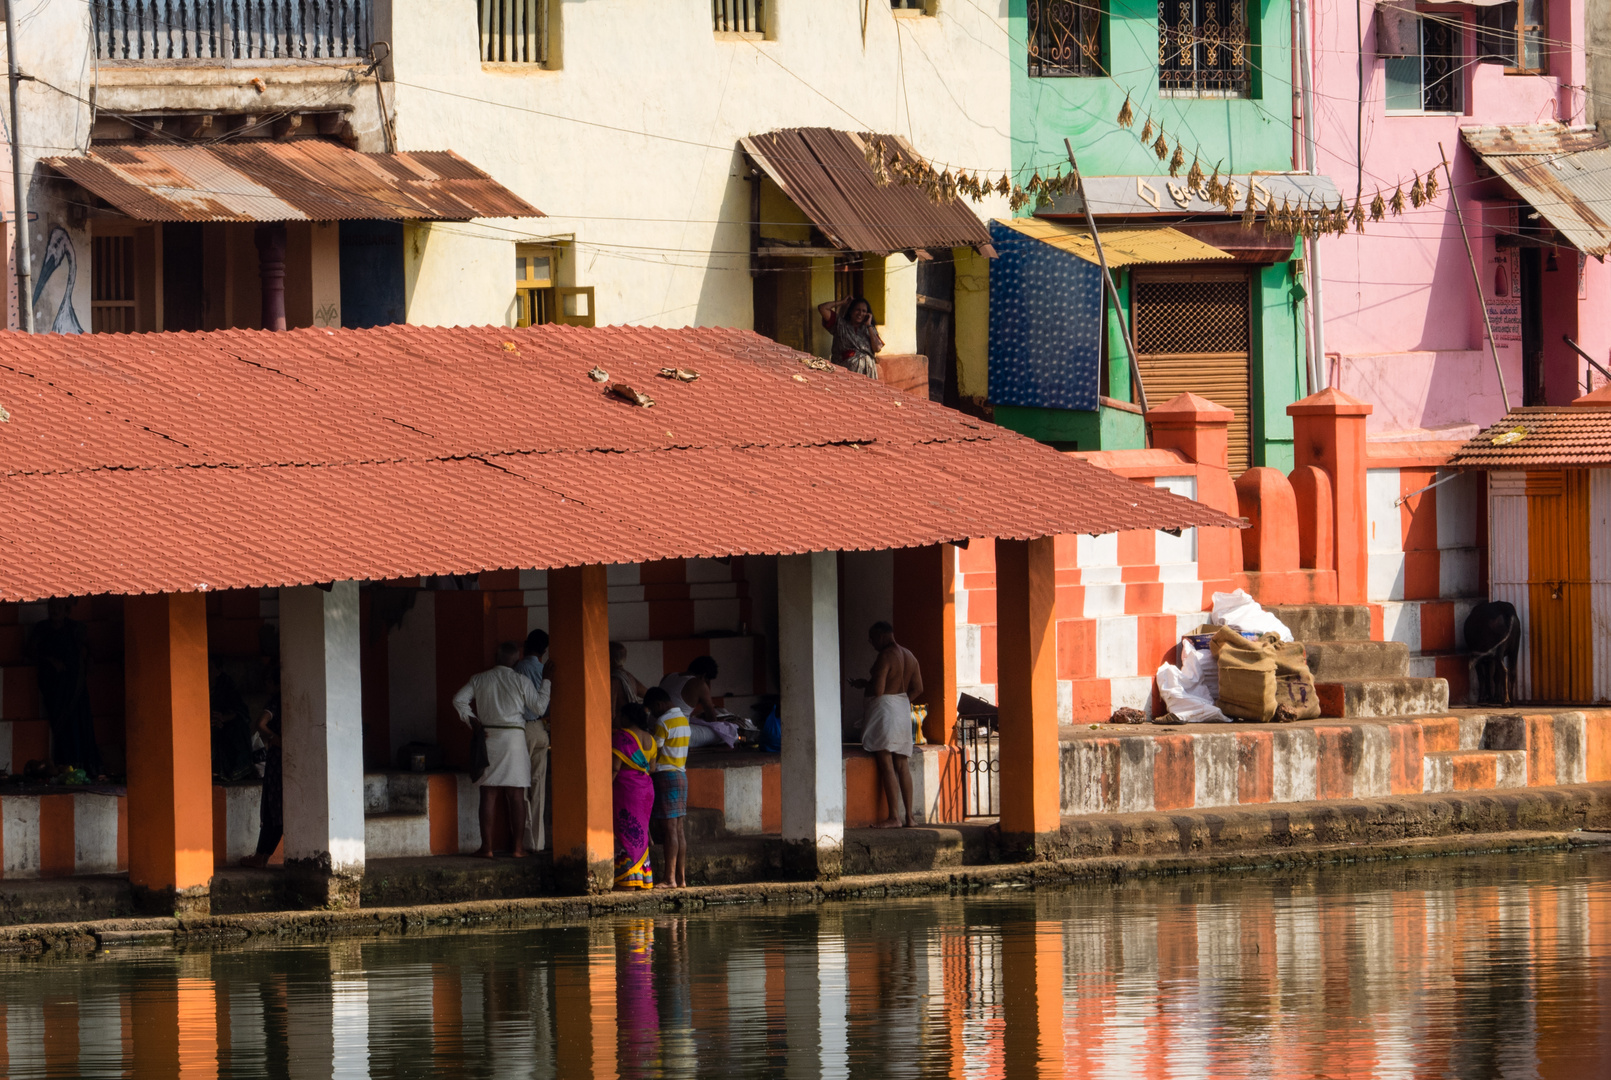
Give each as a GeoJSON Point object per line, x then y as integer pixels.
{"type": "Point", "coordinates": [1500, 88]}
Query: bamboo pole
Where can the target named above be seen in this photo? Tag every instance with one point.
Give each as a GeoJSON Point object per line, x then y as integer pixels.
{"type": "Point", "coordinates": [1476, 278]}
{"type": "Point", "coordinates": [1107, 280]}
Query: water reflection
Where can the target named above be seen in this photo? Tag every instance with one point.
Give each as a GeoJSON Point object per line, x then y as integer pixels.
{"type": "Point", "coordinates": [1467, 968]}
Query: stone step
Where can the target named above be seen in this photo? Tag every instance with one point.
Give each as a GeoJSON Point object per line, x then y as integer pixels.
{"type": "Point", "coordinates": [396, 834]}
{"type": "Point", "coordinates": [1326, 622]}
{"type": "Point", "coordinates": [1473, 770]}
{"type": "Point", "coordinates": [1336, 661]}
{"type": "Point", "coordinates": [1360, 698]}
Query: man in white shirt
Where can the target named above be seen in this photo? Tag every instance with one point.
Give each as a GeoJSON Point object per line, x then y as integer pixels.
{"type": "Point", "coordinates": [501, 699]}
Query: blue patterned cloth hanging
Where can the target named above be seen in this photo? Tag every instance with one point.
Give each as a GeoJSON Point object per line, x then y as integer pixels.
{"type": "Point", "coordinates": [1045, 325]}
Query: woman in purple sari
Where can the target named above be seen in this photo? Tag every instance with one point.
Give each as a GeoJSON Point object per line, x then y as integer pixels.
{"type": "Point", "coordinates": [634, 751]}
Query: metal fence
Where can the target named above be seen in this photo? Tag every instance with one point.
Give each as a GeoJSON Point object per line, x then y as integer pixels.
{"type": "Point", "coordinates": [225, 31]}
{"type": "Point", "coordinates": [977, 743]}
{"type": "Point", "coordinates": [738, 16]}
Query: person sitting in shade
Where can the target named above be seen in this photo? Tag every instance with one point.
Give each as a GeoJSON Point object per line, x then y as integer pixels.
{"type": "Point", "coordinates": [625, 689]}
{"type": "Point", "coordinates": [887, 729]}
{"type": "Point", "coordinates": [534, 666]}
{"type": "Point", "coordinates": [501, 697]}
{"type": "Point", "coordinates": [671, 731]}
{"type": "Point", "coordinates": [691, 693]}
{"type": "Point", "coordinates": [856, 343]}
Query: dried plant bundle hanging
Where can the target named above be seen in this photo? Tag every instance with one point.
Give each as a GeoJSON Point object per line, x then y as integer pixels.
{"type": "Point", "coordinates": [1127, 115]}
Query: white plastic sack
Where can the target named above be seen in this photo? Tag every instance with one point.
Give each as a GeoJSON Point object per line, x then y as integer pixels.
{"type": "Point", "coordinates": [1182, 696]}
{"type": "Point", "coordinates": [1240, 611]}
{"type": "Point", "coordinates": [1201, 672]}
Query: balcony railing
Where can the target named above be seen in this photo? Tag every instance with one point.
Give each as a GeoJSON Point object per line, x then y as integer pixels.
{"type": "Point", "coordinates": [229, 31]}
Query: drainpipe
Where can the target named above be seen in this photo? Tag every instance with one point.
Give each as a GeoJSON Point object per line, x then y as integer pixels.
{"type": "Point", "coordinates": [1317, 334]}
{"type": "Point", "coordinates": [25, 298]}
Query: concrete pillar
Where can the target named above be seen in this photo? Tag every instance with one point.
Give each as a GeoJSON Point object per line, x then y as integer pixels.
{"type": "Point", "coordinates": [813, 785]}
{"type": "Point", "coordinates": [170, 800]}
{"type": "Point", "coordinates": [925, 622]}
{"type": "Point", "coordinates": [323, 737]}
{"type": "Point", "coordinates": [1026, 692]}
{"type": "Point", "coordinates": [579, 622]}
{"type": "Point", "coordinates": [1200, 431]}
{"type": "Point", "coordinates": [271, 244]}
{"type": "Point", "coordinates": [1328, 431]}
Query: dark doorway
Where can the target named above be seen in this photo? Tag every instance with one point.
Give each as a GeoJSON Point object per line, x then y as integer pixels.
{"type": "Point", "coordinates": [1532, 326]}
{"type": "Point", "coordinates": [182, 301]}
{"type": "Point", "coordinates": [372, 292]}
{"type": "Point", "coordinates": [783, 302]}
{"type": "Point", "coordinates": [936, 324]}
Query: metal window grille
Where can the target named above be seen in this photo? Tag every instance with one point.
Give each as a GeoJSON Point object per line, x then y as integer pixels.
{"type": "Point", "coordinates": [215, 31]}
{"type": "Point", "coordinates": [1065, 38]}
{"type": "Point", "coordinates": [514, 31]}
{"type": "Point", "coordinates": [981, 766]}
{"type": "Point", "coordinates": [738, 16]}
{"type": "Point", "coordinates": [909, 5]}
{"type": "Point", "coordinates": [1203, 47]}
{"type": "Point", "coordinates": [1442, 67]}
{"type": "Point", "coordinates": [112, 285]}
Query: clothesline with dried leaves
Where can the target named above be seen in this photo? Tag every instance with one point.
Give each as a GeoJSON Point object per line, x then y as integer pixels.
{"type": "Point", "coordinates": [894, 163]}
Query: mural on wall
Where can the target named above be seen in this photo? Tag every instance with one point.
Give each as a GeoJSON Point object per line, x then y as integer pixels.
{"type": "Point", "coordinates": [58, 271]}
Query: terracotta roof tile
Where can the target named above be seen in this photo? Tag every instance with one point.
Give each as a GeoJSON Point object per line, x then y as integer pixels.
{"type": "Point", "coordinates": [1541, 437]}
{"type": "Point", "coordinates": [152, 462]}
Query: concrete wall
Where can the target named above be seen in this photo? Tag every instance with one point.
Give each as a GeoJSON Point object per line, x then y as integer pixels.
{"type": "Point", "coordinates": [632, 142]}
{"type": "Point", "coordinates": [1401, 307]}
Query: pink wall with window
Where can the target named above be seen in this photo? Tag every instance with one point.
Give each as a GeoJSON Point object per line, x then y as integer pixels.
{"type": "Point", "coordinates": [1404, 328]}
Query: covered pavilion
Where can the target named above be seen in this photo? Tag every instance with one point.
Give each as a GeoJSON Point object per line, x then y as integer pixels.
{"type": "Point", "coordinates": [160, 467]}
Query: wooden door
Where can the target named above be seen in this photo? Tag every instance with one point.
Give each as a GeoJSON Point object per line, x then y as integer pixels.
{"type": "Point", "coordinates": [1561, 644]}
{"type": "Point", "coordinates": [1193, 333]}
{"type": "Point", "coordinates": [783, 302]}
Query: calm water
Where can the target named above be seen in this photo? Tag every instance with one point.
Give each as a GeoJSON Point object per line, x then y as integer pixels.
{"type": "Point", "coordinates": [1420, 968]}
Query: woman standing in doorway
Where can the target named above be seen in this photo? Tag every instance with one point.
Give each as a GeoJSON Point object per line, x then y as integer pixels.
{"type": "Point", "coordinates": [856, 343]}
{"type": "Point", "coordinates": [633, 749]}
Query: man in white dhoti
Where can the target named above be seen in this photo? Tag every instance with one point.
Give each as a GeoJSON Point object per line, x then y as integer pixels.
{"type": "Point", "coordinates": [502, 697]}
{"type": "Point", "coordinates": [887, 727]}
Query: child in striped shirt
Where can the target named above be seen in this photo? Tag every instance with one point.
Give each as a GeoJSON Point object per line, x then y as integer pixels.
{"type": "Point", "coordinates": [671, 733]}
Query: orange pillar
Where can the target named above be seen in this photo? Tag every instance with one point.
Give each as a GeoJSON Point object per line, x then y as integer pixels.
{"type": "Point", "coordinates": [1328, 431]}
{"type": "Point", "coordinates": [169, 752]}
{"type": "Point", "coordinates": [1026, 681]}
{"type": "Point", "coordinates": [925, 622]}
{"type": "Point", "coordinates": [579, 622]}
{"type": "Point", "coordinates": [1199, 430]}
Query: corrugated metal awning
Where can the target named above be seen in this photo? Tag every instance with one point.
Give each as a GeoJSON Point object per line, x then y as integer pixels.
{"type": "Point", "coordinates": [1121, 246]}
{"type": "Point", "coordinates": [301, 180]}
{"type": "Point", "coordinates": [1564, 173]}
{"type": "Point", "coordinates": [824, 172]}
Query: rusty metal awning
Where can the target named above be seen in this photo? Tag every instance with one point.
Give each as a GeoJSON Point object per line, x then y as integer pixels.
{"type": "Point", "coordinates": [300, 180]}
{"type": "Point", "coordinates": [1121, 246]}
{"type": "Point", "coordinates": [824, 172]}
{"type": "Point", "coordinates": [1562, 172]}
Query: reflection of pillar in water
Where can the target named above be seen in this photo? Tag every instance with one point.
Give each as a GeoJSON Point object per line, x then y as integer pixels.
{"type": "Point", "coordinates": [746, 1023]}
{"type": "Point", "coordinates": [1135, 1010]}
{"type": "Point", "coordinates": [447, 1016]}
{"type": "Point", "coordinates": [175, 1028]}
{"type": "Point", "coordinates": [814, 1004]}
{"type": "Point", "coordinates": [1032, 997]}
{"type": "Point", "coordinates": [100, 1034]}
{"type": "Point", "coordinates": [674, 991]}
{"type": "Point", "coordinates": [584, 1010]}
{"type": "Point", "coordinates": [349, 1029]}
{"type": "Point", "coordinates": [24, 1037]}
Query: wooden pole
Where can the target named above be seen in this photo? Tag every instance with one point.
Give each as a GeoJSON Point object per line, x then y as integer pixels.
{"type": "Point", "coordinates": [1476, 278]}
{"type": "Point", "coordinates": [1107, 279]}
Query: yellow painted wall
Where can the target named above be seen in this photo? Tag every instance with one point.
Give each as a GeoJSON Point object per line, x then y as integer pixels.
{"type": "Point", "coordinates": [973, 322]}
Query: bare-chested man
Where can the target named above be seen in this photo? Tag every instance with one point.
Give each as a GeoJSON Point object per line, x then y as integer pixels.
{"type": "Point", "coordinates": [887, 730]}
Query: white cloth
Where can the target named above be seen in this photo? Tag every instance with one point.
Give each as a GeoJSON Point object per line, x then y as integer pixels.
{"type": "Point", "coordinates": [502, 697]}
{"type": "Point", "coordinates": [888, 724]}
{"type": "Point", "coordinates": [537, 745]}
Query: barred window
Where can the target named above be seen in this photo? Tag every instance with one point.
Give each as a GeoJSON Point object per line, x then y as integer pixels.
{"type": "Point", "coordinates": [746, 17]}
{"type": "Point", "coordinates": [1432, 79]}
{"type": "Point", "coordinates": [1203, 48]}
{"type": "Point", "coordinates": [1065, 38]}
{"type": "Point", "coordinates": [514, 31]}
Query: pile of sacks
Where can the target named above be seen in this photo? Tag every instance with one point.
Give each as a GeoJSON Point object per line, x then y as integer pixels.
{"type": "Point", "coordinates": [1262, 679]}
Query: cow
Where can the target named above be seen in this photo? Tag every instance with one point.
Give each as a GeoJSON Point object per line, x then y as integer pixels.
{"type": "Point", "coordinates": [1493, 639]}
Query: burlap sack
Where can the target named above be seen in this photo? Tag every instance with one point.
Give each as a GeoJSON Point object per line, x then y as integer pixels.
{"type": "Point", "coordinates": [1294, 685]}
{"type": "Point", "coordinates": [1246, 676]}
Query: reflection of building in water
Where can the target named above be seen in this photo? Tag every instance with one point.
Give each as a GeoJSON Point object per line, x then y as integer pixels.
{"type": "Point", "coordinates": [1362, 973]}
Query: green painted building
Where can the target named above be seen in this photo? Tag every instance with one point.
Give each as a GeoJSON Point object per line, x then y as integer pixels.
{"type": "Point", "coordinates": [1215, 77]}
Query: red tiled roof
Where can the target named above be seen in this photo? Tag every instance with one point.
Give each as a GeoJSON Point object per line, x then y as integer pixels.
{"type": "Point", "coordinates": [241, 458]}
{"type": "Point", "coordinates": [1541, 437]}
